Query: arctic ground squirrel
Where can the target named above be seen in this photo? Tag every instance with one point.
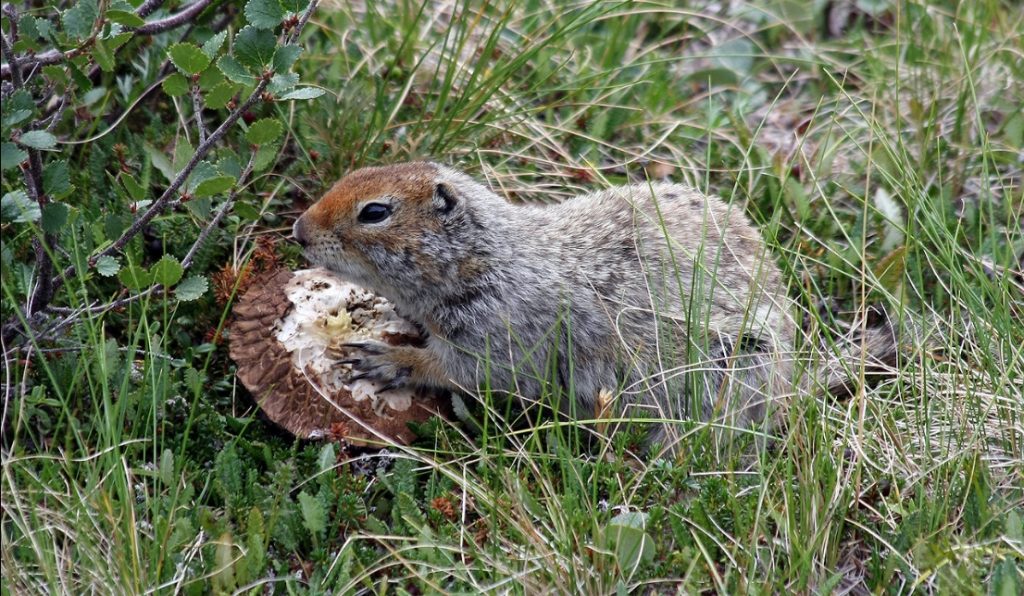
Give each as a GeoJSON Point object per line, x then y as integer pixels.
{"type": "Point", "coordinates": [655, 299]}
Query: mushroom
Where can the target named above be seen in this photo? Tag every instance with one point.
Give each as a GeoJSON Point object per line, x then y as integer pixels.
{"type": "Point", "coordinates": [284, 340]}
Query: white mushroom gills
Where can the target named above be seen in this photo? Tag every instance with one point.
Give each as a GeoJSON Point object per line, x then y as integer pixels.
{"type": "Point", "coordinates": [327, 312]}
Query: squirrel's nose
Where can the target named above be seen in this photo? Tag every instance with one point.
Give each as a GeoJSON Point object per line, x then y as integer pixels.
{"type": "Point", "coordinates": [299, 232]}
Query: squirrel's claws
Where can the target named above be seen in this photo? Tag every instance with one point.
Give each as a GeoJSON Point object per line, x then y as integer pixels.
{"type": "Point", "coordinates": [373, 361]}
{"type": "Point", "coordinates": [370, 347]}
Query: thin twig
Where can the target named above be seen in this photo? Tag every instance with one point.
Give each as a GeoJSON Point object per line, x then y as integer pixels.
{"type": "Point", "coordinates": [146, 8]}
{"type": "Point", "coordinates": [175, 20]}
{"type": "Point", "coordinates": [221, 213]}
{"type": "Point", "coordinates": [197, 109]}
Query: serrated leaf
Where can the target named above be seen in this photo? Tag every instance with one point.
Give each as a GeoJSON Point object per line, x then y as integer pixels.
{"type": "Point", "coordinates": [210, 78]}
{"type": "Point", "coordinates": [118, 40]}
{"type": "Point", "coordinates": [175, 85]}
{"type": "Point", "coordinates": [314, 518]}
{"type": "Point", "coordinates": [135, 278]}
{"type": "Point", "coordinates": [27, 28]}
{"type": "Point", "coordinates": [79, 19]}
{"type": "Point", "coordinates": [136, 190]}
{"type": "Point", "coordinates": [11, 155]}
{"type": "Point", "coordinates": [191, 288]}
{"type": "Point", "coordinates": [18, 208]}
{"type": "Point", "coordinates": [107, 266]}
{"type": "Point", "coordinates": [264, 156]}
{"type": "Point", "coordinates": [302, 93]}
{"type": "Point", "coordinates": [234, 70]}
{"type": "Point", "coordinates": [264, 131]}
{"type": "Point", "coordinates": [16, 116]}
{"type": "Point", "coordinates": [56, 74]}
{"type": "Point", "coordinates": [285, 56]}
{"type": "Point", "coordinates": [204, 170]}
{"type": "Point", "coordinates": [167, 271]}
{"type": "Point", "coordinates": [212, 46]}
{"type": "Point", "coordinates": [188, 58]}
{"type": "Point", "coordinates": [255, 47]}
{"type": "Point", "coordinates": [213, 186]}
{"type": "Point", "coordinates": [56, 179]}
{"type": "Point", "coordinates": [221, 94]}
{"type": "Point", "coordinates": [54, 216]}
{"type": "Point", "coordinates": [280, 83]}
{"type": "Point", "coordinates": [265, 14]}
{"type": "Point", "coordinates": [126, 18]}
{"type": "Point", "coordinates": [38, 139]}
{"type": "Point", "coordinates": [103, 54]}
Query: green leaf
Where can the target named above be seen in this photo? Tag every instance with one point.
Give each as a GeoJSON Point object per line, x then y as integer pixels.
{"type": "Point", "coordinates": [11, 155]}
{"type": "Point", "coordinates": [280, 83]}
{"type": "Point", "coordinates": [104, 55]}
{"type": "Point", "coordinates": [126, 18]}
{"type": "Point", "coordinates": [632, 545]}
{"type": "Point", "coordinates": [327, 459]}
{"type": "Point", "coordinates": [303, 93]}
{"type": "Point", "coordinates": [188, 58]}
{"type": "Point", "coordinates": [175, 85]}
{"type": "Point", "coordinates": [191, 288]}
{"type": "Point", "coordinates": [107, 266]}
{"type": "Point", "coordinates": [55, 216]}
{"type": "Point", "coordinates": [93, 95]}
{"type": "Point", "coordinates": [160, 161]}
{"type": "Point", "coordinates": [136, 190]}
{"type": "Point", "coordinates": [213, 186]}
{"type": "Point", "coordinates": [16, 116]}
{"type": "Point", "coordinates": [294, 5]}
{"type": "Point", "coordinates": [213, 45]}
{"type": "Point", "coordinates": [246, 211]}
{"type": "Point", "coordinates": [79, 19]}
{"type": "Point", "coordinates": [57, 179]}
{"type": "Point", "coordinates": [220, 95]}
{"type": "Point", "coordinates": [314, 518]}
{"type": "Point", "coordinates": [167, 271]}
{"type": "Point", "coordinates": [234, 70]}
{"type": "Point", "coordinates": [285, 57]}
{"type": "Point", "coordinates": [204, 170]}
{"type": "Point", "coordinates": [265, 14]}
{"type": "Point", "coordinates": [264, 131]}
{"type": "Point", "coordinates": [135, 278]}
{"type": "Point", "coordinates": [167, 467]}
{"type": "Point", "coordinates": [27, 28]}
{"type": "Point", "coordinates": [255, 47]}
{"type": "Point", "coordinates": [264, 156]}
{"type": "Point", "coordinates": [18, 208]}
{"type": "Point", "coordinates": [38, 139]}
{"type": "Point", "coordinates": [736, 55]}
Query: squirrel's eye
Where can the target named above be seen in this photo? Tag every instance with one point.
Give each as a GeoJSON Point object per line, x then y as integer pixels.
{"type": "Point", "coordinates": [374, 213]}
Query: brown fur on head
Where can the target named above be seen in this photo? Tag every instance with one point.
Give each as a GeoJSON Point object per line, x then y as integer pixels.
{"type": "Point", "coordinates": [395, 229]}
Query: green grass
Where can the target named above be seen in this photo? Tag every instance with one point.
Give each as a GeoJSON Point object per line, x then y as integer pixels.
{"type": "Point", "coordinates": [883, 163]}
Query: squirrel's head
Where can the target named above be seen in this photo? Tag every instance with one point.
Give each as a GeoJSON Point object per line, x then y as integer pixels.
{"type": "Point", "coordinates": [401, 230]}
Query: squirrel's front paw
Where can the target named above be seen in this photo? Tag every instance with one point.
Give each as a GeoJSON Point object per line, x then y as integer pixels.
{"type": "Point", "coordinates": [375, 361]}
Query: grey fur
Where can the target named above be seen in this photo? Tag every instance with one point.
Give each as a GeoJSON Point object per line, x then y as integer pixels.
{"type": "Point", "coordinates": [665, 297]}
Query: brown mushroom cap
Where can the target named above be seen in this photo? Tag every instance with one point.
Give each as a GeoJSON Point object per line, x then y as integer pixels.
{"type": "Point", "coordinates": [299, 388]}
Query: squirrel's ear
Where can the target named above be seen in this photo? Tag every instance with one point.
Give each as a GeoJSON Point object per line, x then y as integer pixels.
{"type": "Point", "coordinates": [444, 198]}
